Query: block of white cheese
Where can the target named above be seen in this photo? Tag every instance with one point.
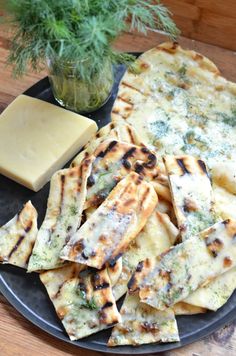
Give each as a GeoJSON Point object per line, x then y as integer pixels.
{"type": "Point", "coordinates": [38, 138]}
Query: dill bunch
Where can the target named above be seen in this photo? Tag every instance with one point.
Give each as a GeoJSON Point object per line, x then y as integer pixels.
{"type": "Point", "coordinates": [78, 30]}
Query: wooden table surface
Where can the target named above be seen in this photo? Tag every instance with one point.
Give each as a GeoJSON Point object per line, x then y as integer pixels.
{"type": "Point", "coordinates": [18, 337]}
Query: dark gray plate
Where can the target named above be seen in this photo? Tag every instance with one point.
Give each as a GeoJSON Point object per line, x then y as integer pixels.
{"type": "Point", "coordinates": [27, 294]}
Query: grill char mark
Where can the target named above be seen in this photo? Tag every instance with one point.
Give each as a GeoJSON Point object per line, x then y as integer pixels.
{"type": "Point", "coordinates": [131, 135]}
{"type": "Point", "coordinates": [203, 167]}
{"type": "Point", "coordinates": [113, 261]}
{"type": "Point", "coordinates": [125, 100]}
{"type": "Point", "coordinates": [181, 164]}
{"type": "Point", "coordinates": [129, 153]}
{"type": "Point", "coordinates": [111, 145]}
{"type": "Point", "coordinates": [90, 181]}
{"type": "Point", "coordinates": [107, 305]}
{"type": "Point", "coordinates": [131, 87]}
{"type": "Point", "coordinates": [13, 250]}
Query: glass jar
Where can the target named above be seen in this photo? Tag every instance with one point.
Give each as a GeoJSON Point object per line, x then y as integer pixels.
{"type": "Point", "coordinates": [76, 94]}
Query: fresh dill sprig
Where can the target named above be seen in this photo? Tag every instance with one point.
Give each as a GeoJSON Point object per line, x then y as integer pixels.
{"type": "Point", "coordinates": [80, 31]}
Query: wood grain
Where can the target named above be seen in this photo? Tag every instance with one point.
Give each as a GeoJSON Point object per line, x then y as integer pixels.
{"type": "Point", "coordinates": [18, 337]}
{"type": "Point", "coordinates": [209, 21]}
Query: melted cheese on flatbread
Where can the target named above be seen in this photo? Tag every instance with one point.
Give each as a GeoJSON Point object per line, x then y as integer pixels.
{"type": "Point", "coordinates": [65, 205]}
{"type": "Point", "coordinates": [191, 193]}
{"type": "Point", "coordinates": [17, 237]}
{"type": "Point", "coordinates": [142, 324]}
{"type": "Point", "coordinates": [82, 299]}
{"type": "Point", "coordinates": [171, 277]}
{"type": "Point", "coordinates": [117, 221]}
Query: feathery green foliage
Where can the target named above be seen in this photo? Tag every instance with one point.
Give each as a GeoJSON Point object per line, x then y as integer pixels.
{"type": "Point", "coordinates": [78, 29]}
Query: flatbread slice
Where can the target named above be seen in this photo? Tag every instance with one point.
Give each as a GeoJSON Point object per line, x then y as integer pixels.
{"type": "Point", "coordinates": [63, 216]}
{"type": "Point", "coordinates": [216, 293]}
{"type": "Point", "coordinates": [123, 132]}
{"type": "Point", "coordinates": [117, 221]}
{"type": "Point", "coordinates": [142, 324]}
{"type": "Point", "coordinates": [192, 194]}
{"type": "Point", "coordinates": [195, 210]}
{"type": "Point", "coordinates": [17, 237]}
{"type": "Point", "coordinates": [115, 268]}
{"type": "Point", "coordinates": [114, 160]}
{"type": "Point", "coordinates": [173, 276]}
{"type": "Point", "coordinates": [177, 102]}
{"type": "Point", "coordinates": [82, 299]}
{"type": "Point", "coordinates": [155, 238]}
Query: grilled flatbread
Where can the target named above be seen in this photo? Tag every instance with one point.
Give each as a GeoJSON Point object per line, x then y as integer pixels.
{"type": "Point", "coordinates": [142, 324]}
{"type": "Point", "coordinates": [191, 193]}
{"type": "Point", "coordinates": [155, 238]}
{"type": "Point", "coordinates": [178, 102]}
{"type": "Point", "coordinates": [186, 267]}
{"type": "Point", "coordinates": [82, 299]}
{"type": "Point", "coordinates": [65, 205]}
{"type": "Point", "coordinates": [113, 161]}
{"type": "Point", "coordinates": [195, 210]}
{"type": "Point", "coordinates": [117, 221]}
{"type": "Point", "coordinates": [17, 237]}
{"type": "Point", "coordinates": [216, 293]}
{"type": "Point", "coordinates": [123, 132]}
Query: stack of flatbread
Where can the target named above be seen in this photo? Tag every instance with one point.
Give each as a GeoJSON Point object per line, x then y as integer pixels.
{"type": "Point", "coordinates": [145, 211]}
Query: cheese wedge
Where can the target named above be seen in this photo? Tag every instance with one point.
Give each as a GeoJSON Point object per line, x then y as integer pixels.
{"type": "Point", "coordinates": [191, 193]}
{"type": "Point", "coordinates": [82, 299]}
{"type": "Point", "coordinates": [171, 277]}
{"type": "Point", "coordinates": [38, 138]}
{"type": "Point", "coordinates": [142, 324]}
{"type": "Point", "coordinates": [117, 221]}
{"type": "Point", "coordinates": [18, 236]}
{"type": "Point", "coordinates": [65, 205]}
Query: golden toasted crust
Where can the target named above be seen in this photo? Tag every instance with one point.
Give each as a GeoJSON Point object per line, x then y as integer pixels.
{"type": "Point", "coordinates": [18, 236]}
{"type": "Point", "coordinates": [65, 205]}
{"type": "Point", "coordinates": [83, 300]}
{"type": "Point", "coordinates": [108, 232]}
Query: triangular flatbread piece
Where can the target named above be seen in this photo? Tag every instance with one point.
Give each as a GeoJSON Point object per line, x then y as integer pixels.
{"type": "Point", "coordinates": [82, 299]}
{"type": "Point", "coordinates": [18, 236]}
{"type": "Point", "coordinates": [142, 324]}
{"type": "Point", "coordinates": [111, 228]}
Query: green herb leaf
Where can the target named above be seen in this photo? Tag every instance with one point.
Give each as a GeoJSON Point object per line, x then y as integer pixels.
{"type": "Point", "coordinates": [78, 31]}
